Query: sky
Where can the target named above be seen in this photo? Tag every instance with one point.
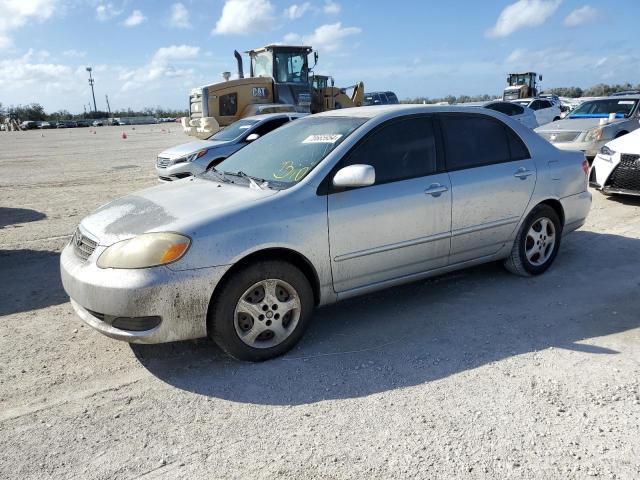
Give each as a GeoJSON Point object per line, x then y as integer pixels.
{"type": "Point", "coordinates": [147, 53]}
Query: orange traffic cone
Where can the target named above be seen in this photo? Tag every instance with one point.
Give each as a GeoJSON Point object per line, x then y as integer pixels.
{"type": "Point", "coordinates": [124, 135]}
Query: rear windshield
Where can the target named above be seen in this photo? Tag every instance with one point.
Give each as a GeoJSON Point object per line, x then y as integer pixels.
{"type": "Point", "coordinates": [602, 108]}
{"type": "Point", "coordinates": [234, 130]}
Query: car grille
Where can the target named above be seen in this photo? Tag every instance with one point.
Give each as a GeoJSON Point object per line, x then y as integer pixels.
{"type": "Point", "coordinates": [626, 175]}
{"type": "Point", "coordinates": [163, 162]}
{"type": "Point", "coordinates": [83, 246]}
{"type": "Point", "coordinates": [556, 137]}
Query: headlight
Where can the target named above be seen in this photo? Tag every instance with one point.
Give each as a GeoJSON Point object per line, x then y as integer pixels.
{"type": "Point", "coordinates": [191, 158]}
{"type": "Point", "coordinates": [607, 151]}
{"type": "Point", "coordinates": [146, 250]}
{"type": "Point", "coordinates": [594, 135]}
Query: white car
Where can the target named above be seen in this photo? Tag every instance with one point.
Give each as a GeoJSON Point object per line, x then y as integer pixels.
{"type": "Point", "coordinates": [523, 114]}
{"type": "Point", "coordinates": [616, 168]}
{"type": "Point", "coordinates": [545, 110]}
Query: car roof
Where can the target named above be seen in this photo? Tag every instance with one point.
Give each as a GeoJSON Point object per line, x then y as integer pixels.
{"type": "Point", "coordinates": [390, 110]}
{"type": "Point", "coordinates": [266, 116]}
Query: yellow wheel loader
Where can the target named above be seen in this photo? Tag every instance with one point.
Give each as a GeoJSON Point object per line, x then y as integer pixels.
{"type": "Point", "coordinates": [279, 81]}
{"type": "Point", "coordinates": [521, 85]}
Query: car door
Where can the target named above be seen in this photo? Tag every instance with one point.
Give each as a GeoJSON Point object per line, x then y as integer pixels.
{"type": "Point", "coordinates": [492, 180]}
{"type": "Point", "coordinates": [399, 226]}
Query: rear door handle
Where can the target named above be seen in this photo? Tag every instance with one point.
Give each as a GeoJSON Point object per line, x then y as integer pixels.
{"type": "Point", "coordinates": [523, 173]}
{"type": "Point", "coordinates": [435, 190]}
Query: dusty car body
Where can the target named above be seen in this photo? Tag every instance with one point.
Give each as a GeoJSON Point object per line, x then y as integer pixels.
{"type": "Point", "coordinates": [616, 168]}
{"type": "Point", "coordinates": [368, 211]}
{"type": "Point", "coordinates": [196, 157]}
{"type": "Point", "coordinates": [594, 123]}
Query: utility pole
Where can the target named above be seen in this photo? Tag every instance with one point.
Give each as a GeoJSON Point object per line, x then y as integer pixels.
{"type": "Point", "coordinates": [108, 106]}
{"type": "Point", "coordinates": [95, 109]}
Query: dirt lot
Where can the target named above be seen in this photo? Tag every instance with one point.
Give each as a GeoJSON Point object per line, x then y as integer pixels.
{"type": "Point", "coordinates": [477, 374]}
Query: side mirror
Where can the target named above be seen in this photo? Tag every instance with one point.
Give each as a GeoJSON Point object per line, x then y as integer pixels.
{"type": "Point", "coordinates": [252, 137]}
{"type": "Point", "coordinates": [355, 176]}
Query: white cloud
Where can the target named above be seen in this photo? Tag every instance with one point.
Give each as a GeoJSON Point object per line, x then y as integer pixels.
{"type": "Point", "coordinates": [292, 39]}
{"type": "Point", "coordinates": [523, 13]}
{"type": "Point", "coordinates": [16, 13]}
{"type": "Point", "coordinates": [296, 11]}
{"type": "Point", "coordinates": [135, 19]}
{"type": "Point", "coordinates": [160, 66]}
{"type": "Point", "coordinates": [106, 11]}
{"type": "Point", "coordinates": [331, 7]}
{"type": "Point", "coordinates": [328, 37]}
{"type": "Point", "coordinates": [581, 16]}
{"type": "Point", "coordinates": [25, 71]}
{"type": "Point", "coordinates": [73, 53]}
{"type": "Point", "coordinates": [179, 16]}
{"type": "Point", "coordinates": [246, 16]}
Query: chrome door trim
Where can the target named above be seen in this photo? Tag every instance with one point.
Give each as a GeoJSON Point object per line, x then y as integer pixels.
{"type": "Point", "coordinates": [392, 246]}
{"type": "Point", "coordinates": [485, 226]}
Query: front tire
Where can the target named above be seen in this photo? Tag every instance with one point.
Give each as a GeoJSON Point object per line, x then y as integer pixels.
{"type": "Point", "coordinates": [262, 311]}
{"type": "Point", "coordinates": [536, 244]}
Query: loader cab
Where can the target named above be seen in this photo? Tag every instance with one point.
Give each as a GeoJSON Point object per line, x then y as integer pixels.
{"type": "Point", "coordinates": [289, 68]}
{"type": "Point", "coordinates": [521, 85]}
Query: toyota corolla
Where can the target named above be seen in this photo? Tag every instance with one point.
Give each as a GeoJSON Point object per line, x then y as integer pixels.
{"type": "Point", "coordinates": [325, 208]}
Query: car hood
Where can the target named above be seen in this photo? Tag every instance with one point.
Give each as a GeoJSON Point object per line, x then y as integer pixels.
{"type": "Point", "coordinates": [629, 143]}
{"type": "Point", "coordinates": [190, 147]}
{"type": "Point", "coordinates": [574, 125]}
{"type": "Point", "coordinates": [173, 207]}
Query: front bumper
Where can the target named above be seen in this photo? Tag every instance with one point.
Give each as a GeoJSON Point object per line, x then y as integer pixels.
{"type": "Point", "coordinates": [179, 170]}
{"type": "Point", "coordinates": [590, 149]}
{"type": "Point", "coordinates": [179, 298]}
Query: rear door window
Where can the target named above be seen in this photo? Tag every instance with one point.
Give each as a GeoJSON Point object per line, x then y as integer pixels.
{"type": "Point", "coordinates": [270, 125]}
{"type": "Point", "coordinates": [473, 141]}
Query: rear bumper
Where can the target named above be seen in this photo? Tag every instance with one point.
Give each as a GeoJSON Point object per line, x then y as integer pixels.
{"type": "Point", "coordinates": [179, 298]}
{"type": "Point", "coordinates": [576, 209]}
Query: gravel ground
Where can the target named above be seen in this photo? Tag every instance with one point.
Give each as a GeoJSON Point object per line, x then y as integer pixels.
{"type": "Point", "coordinates": [474, 375]}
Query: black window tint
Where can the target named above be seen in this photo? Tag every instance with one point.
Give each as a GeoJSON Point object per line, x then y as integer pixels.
{"type": "Point", "coordinates": [517, 147]}
{"type": "Point", "coordinates": [228, 104]}
{"type": "Point", "coordinates": [400, 150]}
{"type": "Point", "coordinates": [545, 104]}
{"type": "Point", "coordinates": [500, 107]}
{"type": "Point", "coordinates": [266, 127]}
{"type": "Point", "coordinates": [535, 105]}
{"type": "Point", "coordinates": [474, 140]}
{"type": "Point", "coordinates": [517, 109]}
{"type": "Point", "coordinates": [392, 98]}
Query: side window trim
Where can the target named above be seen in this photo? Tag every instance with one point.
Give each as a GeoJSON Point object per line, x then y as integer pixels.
{"type": "Point", "coordinates": [326, 188]}
{"type": "Point", "coordinates": [506, 129]}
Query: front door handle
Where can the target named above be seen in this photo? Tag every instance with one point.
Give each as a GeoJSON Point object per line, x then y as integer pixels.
{"type": "Point", "coordinates": [523, 173]}
{"type": "Point", "coordinates": [435, 190]}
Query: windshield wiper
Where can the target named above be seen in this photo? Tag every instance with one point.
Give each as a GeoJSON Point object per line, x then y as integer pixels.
{"type": "Point", "coordinates": [252, 180]}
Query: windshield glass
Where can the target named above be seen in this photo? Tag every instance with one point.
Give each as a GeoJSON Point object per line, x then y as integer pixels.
{"type": "Point", "coordinates": [262, 64]}
{"type": "Point", "coordinates": [234, 130]}
{"type": "Point", "coordinates": [286, 155]}
{"type": "Point", "coordinates": [291, 67]}
{"type": "Point", "coordinates": [602, 108]}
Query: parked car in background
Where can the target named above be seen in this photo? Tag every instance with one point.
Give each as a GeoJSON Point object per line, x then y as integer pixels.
{"type": "Point", "coordinates": [594, 123]}
{"type": "Point", "coordinates": [46, 125]}
{"type": "Point", "coordinates": [380, 98]}
{"type": "Point", "coordinates": [545, 110]}
{"type": "Point", "coordinates": [524, 115]}
{"type": "Point", "coordinates": [61, 124]}
{"type": "Point", "coordinates": [98, 123]}
{"type": "Point", "coordinates": [331, 206]}
{"type": "Point", "coordinates": [29, 125]}
{"type": "Point", "coordinates": [616, 168]}
{"type": "Point", "coordinates": [83, 123]}
{"type": "Point", "coordinates": [198, 156]}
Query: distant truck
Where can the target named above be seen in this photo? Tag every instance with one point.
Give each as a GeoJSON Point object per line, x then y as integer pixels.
{"type": "Point", "coordinates": [521, 85]}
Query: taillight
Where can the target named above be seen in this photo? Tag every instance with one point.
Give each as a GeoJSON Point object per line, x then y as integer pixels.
{"type": "Point", "coordinates": [585, 167]}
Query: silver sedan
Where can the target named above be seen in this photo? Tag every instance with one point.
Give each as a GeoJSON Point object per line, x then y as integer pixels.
{"type": "Point", "coordinates": [325, 208]}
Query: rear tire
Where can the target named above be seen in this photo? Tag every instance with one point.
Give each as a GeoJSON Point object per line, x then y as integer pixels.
{"type": "Point", "coordinates": [536, 244]}
{"type": "Point", "coordinates": [262, 311]}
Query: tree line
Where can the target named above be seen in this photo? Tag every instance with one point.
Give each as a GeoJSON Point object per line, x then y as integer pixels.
{"type": "Point", "coordinates": [599, 90]}
{"type": "Point", "coordinates": [36, 112]}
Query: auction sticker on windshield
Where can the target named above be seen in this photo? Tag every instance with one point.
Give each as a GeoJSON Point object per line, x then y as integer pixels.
{"type": "Point", "coordinates": [329, 138]}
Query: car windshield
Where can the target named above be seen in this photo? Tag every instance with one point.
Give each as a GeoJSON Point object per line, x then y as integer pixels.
{"type": "Point", "coordinates": [603, 108]}
{"type": "Point", "coordinates": [286, 155]}
{"type": "Point", "coordinates": [233, 131]}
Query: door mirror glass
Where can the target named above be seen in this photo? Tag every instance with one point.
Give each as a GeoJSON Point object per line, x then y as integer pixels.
{"type": "Point", "coordinates": [355, 176]}
{"type": "Point", "coordinates": [252, 137]}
